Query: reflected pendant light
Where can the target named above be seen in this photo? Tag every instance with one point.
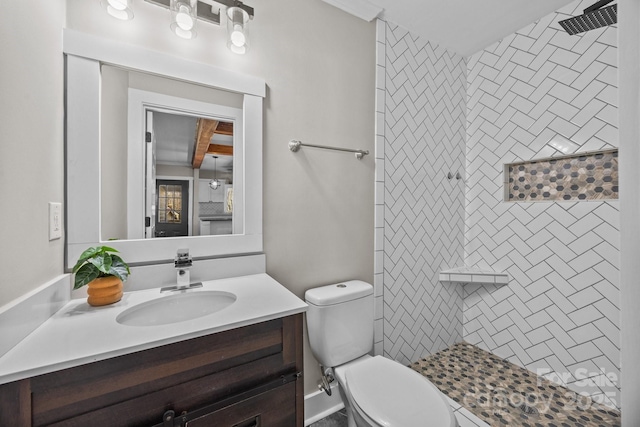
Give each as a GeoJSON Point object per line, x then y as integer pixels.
{"type": "Point", "coordinates": [120, 9]}
{"type": "Point", "coordinates": [184, 18]}
{"type": "Point", "coordinates": [238, 36]}
{"type": "Point", "coordinates": [215, 182]}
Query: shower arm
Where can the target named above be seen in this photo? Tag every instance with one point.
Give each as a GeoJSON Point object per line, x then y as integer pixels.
{"type": "Point", "coordinates": [597, 5]}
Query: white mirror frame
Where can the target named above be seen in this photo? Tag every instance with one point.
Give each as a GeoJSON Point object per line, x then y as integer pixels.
{"type": "Point", "coordinates": [84, 55]}
{"type": "Point", "coordinates": [139, 102]}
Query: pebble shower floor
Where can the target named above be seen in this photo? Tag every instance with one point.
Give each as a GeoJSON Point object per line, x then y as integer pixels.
{"type": "Point", "coordinates": [503, 394]}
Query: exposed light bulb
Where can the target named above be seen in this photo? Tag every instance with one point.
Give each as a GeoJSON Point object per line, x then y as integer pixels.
{"type": "Point", "coordinates": [237, 36]}
{"type": "Point", "coordinates": [120, 9]}
{"type": "Point", "coordinates": [214, 184]}
{"type": "Point", "coordinates": [120, 14]}
{"type": "Point", "coordinates": [240, 50]}
{"type": "Point", "coordinates": [184, 19]}
{"type": "Point", "coordinates": [118, 4]}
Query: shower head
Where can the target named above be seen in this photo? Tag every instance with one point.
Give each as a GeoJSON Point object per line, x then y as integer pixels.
{"type": "Point", "coordinates": [595, 16]}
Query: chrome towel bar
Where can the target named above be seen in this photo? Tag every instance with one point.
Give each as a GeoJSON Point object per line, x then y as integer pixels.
{"type": "Point", "coordinates": [295, 145]}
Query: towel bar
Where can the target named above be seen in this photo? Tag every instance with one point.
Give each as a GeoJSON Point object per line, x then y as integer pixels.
{"type": "Point", "coordinates": [295, 145]}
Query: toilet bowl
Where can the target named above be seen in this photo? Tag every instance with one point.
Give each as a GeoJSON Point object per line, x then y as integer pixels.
{"type": "Point", "coordinates": [383, 393]}
{"type": "Point", "coordinates": [377, 392]}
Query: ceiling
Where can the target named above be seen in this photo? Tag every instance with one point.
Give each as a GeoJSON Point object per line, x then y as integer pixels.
{"type": "Point", "coordinates": [175, 136]}
{"type": "Point", "coordinates": [462, 26]}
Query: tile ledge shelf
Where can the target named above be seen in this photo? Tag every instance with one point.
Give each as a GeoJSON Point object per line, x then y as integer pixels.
{"type": "Point", "coordinates": [465, 275]}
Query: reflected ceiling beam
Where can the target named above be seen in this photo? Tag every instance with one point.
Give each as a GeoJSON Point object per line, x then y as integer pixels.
{"type": "Point", "coordinates": [220, 150]}
{"type": "Point", "coordinates": [204, 132]}
{"type": "Point", "coordinates": [225, 128]}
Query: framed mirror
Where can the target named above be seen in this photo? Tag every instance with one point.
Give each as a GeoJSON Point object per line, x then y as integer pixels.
{"type": "Point", "coordinates": [211, 187]}
{"type": "Point", "coordinates": [170, 131]}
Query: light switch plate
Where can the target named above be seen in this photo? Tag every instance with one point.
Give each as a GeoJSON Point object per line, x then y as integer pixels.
{"type": "Point", "coordinates": [55, 220]}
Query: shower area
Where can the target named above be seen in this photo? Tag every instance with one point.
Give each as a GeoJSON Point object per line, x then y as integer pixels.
{"type": "Point", "coordinates": [501, 164]}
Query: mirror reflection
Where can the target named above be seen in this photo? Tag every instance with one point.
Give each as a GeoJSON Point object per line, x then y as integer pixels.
{"type": "Point", "coordinates": [178, 139]}
{"type": "Point", "coordinates": [187, 148]}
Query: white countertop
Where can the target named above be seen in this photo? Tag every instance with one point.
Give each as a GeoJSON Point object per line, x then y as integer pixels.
{"type": "Point", "coordinates": [79, 334]}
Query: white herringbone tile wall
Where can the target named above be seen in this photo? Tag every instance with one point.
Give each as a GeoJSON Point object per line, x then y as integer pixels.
{"type": "Point", "coordinates": [419, 211]}
{"type": "Point", "coordinates": [535, 90]}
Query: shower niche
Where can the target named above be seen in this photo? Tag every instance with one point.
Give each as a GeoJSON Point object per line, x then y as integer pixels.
{"type": "Point", "coordinates": [576, 177]}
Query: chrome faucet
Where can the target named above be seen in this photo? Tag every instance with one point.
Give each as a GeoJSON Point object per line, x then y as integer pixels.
{"type": "Point", "coordinates": [182, 262]}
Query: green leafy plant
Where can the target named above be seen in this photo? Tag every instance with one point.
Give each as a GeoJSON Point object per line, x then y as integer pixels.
{"type": "Point", "coordinates": [99, 261]}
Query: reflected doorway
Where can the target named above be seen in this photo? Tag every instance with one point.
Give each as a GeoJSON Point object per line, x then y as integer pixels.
{"type": "Point", "coordinates": [172, 215]}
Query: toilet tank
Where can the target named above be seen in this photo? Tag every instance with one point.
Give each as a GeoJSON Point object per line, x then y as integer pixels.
{"type": "Point", "coordinates": [340, 321]}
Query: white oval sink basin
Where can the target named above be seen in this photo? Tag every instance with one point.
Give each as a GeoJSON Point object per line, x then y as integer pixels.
{"type": "Point", "coordinates": [176, 308]}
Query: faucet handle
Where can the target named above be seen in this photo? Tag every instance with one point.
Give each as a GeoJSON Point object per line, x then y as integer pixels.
{"type": "Point", "coordinates": [183, 259]}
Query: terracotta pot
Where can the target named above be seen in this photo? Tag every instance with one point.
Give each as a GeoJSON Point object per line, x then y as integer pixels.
{"type": "Point", "coordinates": [104, 291]}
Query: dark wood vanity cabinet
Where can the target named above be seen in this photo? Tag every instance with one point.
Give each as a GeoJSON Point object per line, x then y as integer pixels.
{"type": "Point", "coordinates": [245, 377]}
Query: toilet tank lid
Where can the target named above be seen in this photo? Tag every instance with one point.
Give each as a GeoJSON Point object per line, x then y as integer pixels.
{"type": "Point", "coordinates": [337, 293]}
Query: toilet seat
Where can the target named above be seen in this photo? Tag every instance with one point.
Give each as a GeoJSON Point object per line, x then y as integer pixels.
{"type": "Point", "coordinates": [393, 395]}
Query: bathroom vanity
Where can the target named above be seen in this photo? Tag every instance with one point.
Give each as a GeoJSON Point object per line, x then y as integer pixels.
{"type": "Point", "coordinates": [240, 366]}
{"type": "Point", "coordinates": [242, 377]}
{"type": "Point", "coordinates": [151, 359]}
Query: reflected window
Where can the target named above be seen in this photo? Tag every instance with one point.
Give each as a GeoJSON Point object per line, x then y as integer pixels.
{"type": "Point", "coordinates": [170, 204]}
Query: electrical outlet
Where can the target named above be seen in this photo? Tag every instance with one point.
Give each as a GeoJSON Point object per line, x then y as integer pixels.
{"type": "Point", "coordinates": [55, 220]}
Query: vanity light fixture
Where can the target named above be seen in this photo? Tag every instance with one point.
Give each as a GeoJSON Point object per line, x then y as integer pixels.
{"type": "Point", "coordinates": [238, 39]}
{"type": "Point", "coordinates": [184, 17]}
{"type": "Point", "coordinates": [120, 9]}
{"type": "Point", "coordinates": [185, 13]}
{"type": "Point", "coordinates": [215, 183]}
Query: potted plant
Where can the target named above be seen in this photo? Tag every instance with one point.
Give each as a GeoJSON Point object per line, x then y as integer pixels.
{"type": "Point", "coordinates": [104, 271]}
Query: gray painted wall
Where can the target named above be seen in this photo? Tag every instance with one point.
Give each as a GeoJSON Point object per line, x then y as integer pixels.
{"type": "Point", "coordinates": [320, 77]}
{"type": "Point", "coordinates": [31, 144]}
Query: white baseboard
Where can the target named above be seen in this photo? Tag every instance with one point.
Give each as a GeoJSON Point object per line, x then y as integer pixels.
{"type": "Point", "coordinates": [318, 405]}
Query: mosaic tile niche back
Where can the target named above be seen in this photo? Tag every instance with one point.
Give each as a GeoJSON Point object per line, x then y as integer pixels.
{"type": "Point", "coordinates": [585, 176]}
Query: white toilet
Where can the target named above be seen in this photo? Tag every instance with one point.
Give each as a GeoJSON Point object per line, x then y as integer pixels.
{"type": "Point", "coordinates": [377, 392]}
